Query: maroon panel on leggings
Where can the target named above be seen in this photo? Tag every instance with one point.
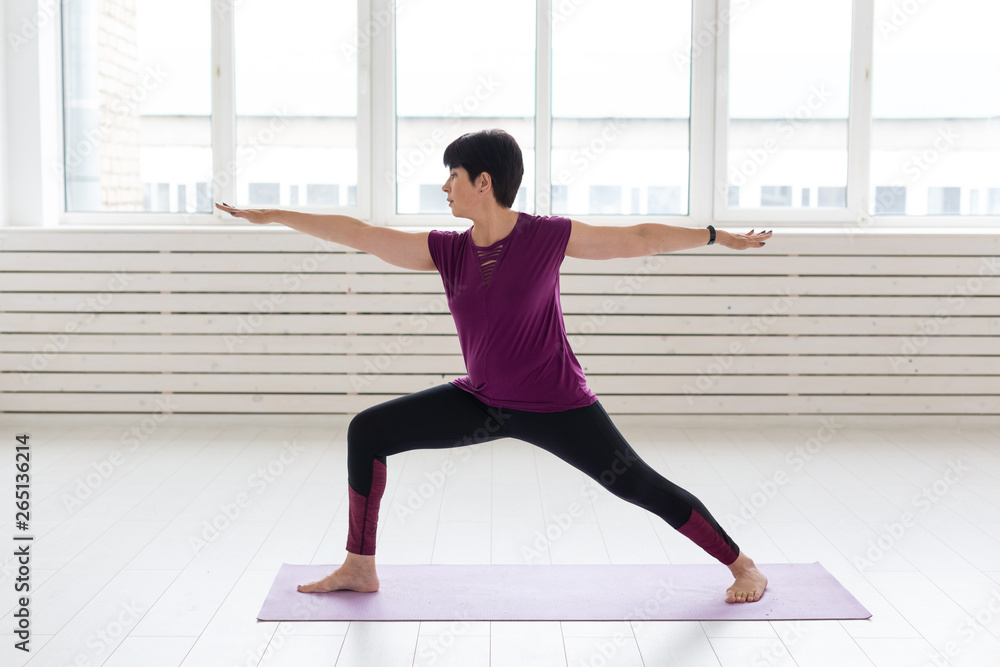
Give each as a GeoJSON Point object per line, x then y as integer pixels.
{"type": "Point", "coordinates": [701, 532]}
{"type": "Point", "coordinates": [364, 513]}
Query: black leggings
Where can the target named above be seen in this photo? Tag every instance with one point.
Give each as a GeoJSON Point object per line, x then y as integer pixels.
{"type": "Point", "coordinates": [445, 416]}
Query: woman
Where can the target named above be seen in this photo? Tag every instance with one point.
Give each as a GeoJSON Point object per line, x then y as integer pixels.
{"type": "Point", "coordinates": [501, 279]}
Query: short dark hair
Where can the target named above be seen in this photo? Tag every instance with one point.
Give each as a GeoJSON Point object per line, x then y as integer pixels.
{"type": "Point", "coordinates": [494, 152]}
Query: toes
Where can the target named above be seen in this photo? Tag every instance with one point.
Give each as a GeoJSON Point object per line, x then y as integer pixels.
{"type": "Point", "coordinates": [308, 588]}
{"type": "Point", "coordinates": [735, 596]}
{"type": "Point", "coordinates": [751, 595]}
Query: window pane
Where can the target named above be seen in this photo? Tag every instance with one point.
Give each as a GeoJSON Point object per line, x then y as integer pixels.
{"type": "Point", "coordinates": [935, 101]}
{"type": "Point", "coordinates": [137, 104]}
{"type": "Point", "coordinates": [521, 199]}
{"type": "Point", "coordinates": [890, 200]}
{"type": "Point", "coordinates": [431, 200]}
{"type": "Point", "coordinates": [264, 193]}
{"type": "Point", "coordinates": [296, 98]}
{"type": "Point", "coordinates": [322, 194]}
{"type": "Point", "coordinates": [203, 196]}
{"type": "Point", "coordinates": [560, 197]}
{"type": "Point", "coordinates": [162, 197]}
{"type": "Point", "coordinates": [453, 77]}
{"type": "Point", "coordinates": [832, 196]}
{"type": "Point", "coordinates": [664, 200]}
{"type": "Point", "coordinates": [789, 91]}
{"type": "Point", "coordinates": [605, 199]}
{"type": "Point", "coordinates": [944, 201]}
{"type": "Point", "coordinates": [776, 195]}
{"type": "Point", "coordinates": [621, 104]}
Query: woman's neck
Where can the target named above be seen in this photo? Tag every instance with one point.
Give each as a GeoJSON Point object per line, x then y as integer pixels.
{"type": "Point", "coordinates": [493, 226]}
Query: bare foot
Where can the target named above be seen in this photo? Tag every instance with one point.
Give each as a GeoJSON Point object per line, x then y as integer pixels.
{"type": "Point", "coordinates": [356, 574]}
{"type": "Point", "coordinates": [750, 582]}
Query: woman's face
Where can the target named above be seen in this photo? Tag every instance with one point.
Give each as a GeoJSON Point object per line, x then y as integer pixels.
{"type": "Point", "coordinates": [461, 193]}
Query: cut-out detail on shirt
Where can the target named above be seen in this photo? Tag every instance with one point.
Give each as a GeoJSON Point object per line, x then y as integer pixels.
{"type": "Point", "coordinates": [488, 261]}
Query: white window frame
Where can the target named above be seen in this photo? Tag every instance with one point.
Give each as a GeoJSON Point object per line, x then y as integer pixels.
{"type": "Point", "coordinates": [700, 130]}
{"type": "Point", "coordinates": [859, 129]}
{"type": "Point", "coordinates": [34, 191]}
{"type": "Point", "coordinates": [223, 121]}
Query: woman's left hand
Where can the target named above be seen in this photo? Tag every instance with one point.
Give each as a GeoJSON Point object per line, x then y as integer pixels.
{"type": "Point", "coordinates": [741, 241]}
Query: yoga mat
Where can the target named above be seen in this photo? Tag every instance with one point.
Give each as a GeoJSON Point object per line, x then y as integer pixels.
{"type": "Point", "coordinates": [694, 592]}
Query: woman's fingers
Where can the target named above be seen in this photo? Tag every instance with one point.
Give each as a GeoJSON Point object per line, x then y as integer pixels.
{"type": "Point", "coordinates": [756, 240]}
{"type": "Point", "coordinates": [257, 216]}
{"type": "Point", "coordinates": [227, 208]}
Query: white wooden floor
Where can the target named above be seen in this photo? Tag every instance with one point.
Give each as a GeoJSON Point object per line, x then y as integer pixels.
{"type": "Point", "coordinates": [119, 577]}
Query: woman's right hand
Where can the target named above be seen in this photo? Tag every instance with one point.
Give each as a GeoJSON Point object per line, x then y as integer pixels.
{"type": "Point", "coordinates": [258, 216]}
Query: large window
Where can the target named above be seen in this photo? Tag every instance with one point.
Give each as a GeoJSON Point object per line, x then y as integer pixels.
{"type": "Point", "coordinates": [778, 111]}
{"type": "Point", "coordinates": [935, 107]}
{"type": "Point", "coordinates": [137, 106]}
{"type": "Point", "coordinates": [296, 103]}
{"type": "Point", "coordinates": [621, 106]}
{"type": "Point", "coordinates": [789, 87]}
{"type": "Point", "coordinates": [460, 67]}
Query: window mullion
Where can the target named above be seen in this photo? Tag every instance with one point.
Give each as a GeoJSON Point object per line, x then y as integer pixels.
{"type": "Point", "coordinates": [365, 114]}
{"type": "Point", "coordinates": [860, 114]}
{"type": "Point", "coordinates": [543, 108]}
{"type": "Point", "coordinates": [701, 134]}
{"type": "Point", "coordinates": [223, 105]}
{"type": "Point", "coordinates": [720, 181]}
{"type": "Point", "coordinates": [381, 24]}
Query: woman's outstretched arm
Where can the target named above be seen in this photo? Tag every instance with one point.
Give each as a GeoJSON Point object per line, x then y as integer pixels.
{"type": "Point", "coordinates": [342, 229]}
{"type": "Point", "coordinates": [649, 238]}
{"type": "Point", "coordinates": [667, 238]}
{"type": "Point", "coordinates": [408, 250]}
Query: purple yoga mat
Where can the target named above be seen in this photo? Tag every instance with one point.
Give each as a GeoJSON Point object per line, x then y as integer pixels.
{"type": "Point", "coordinates": [795, 591]}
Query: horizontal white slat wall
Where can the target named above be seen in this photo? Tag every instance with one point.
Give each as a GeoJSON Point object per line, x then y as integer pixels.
{"type": "Point", "coordinates": [267, 320]}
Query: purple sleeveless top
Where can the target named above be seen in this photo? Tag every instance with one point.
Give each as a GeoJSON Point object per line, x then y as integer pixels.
{"type": "Point", "coordinates": [505, 301]}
